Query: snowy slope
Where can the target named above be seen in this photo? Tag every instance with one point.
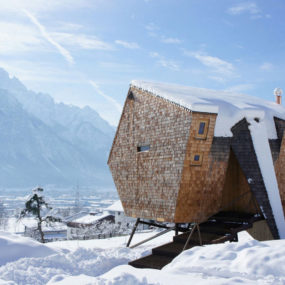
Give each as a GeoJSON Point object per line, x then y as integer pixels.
{"type": "Point", "coordinates": [105, 262]}
{"type": "Point", "coordinates": [43, 142]}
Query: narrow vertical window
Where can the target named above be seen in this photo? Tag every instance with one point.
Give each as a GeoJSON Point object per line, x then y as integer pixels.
{"type": "Point", "coordinates": [202, 129]}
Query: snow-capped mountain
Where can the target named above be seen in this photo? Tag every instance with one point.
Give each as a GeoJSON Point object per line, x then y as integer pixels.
{"type": "Point", "coordinates": [43, 142]}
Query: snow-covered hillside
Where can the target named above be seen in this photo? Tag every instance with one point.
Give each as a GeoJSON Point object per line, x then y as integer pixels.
{"type": "Point", "coordinates": [43, 142]}
{"type": "Point", "coordinates": [23, 261]}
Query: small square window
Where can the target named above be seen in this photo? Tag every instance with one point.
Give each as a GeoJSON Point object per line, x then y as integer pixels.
{"type": "Point", "coordinates": [143, 148]}
{"type": "Point", "coordinates": [196, 159]}
{"type": "Point", "coordinates": [202, 129]}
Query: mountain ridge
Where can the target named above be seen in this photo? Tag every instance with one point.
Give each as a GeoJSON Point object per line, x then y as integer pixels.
{"type": "Point", "coordinates": [44, 142]}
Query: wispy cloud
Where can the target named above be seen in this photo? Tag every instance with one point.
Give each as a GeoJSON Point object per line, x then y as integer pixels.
{"type": "Point", "coordinates": [129, 45]}
{"type": "Point", "coordinates": [81, 41]}
{"type": "Point", "coordinates": [266, 66]}
{"type": "Point", "coordinates": [35, 73]}
{"type": "Point", "coordinates": [19, 38]}
{"type": "Point", "coordinates": [217, 65]}
{"type": "Point", "coordinates": [244, 7]}
{"type": "Point", "coordinates": [160, 60]}
{"type": "Point", "coordinates": [170, 40]}
{"type": "Point", "coordinates": [152, 27]}
{"type": "Point", "coordinates": [153, 31]}
{"type": "Point", "coordinates": [111, 100]}
{"type": "Point", "coordinates": [250, 8]}
{"type": "Point", "coordinates": [16, 6]}
{"type": "Point", "coordinates": [64, 52]}
{"type": "Point", "coordinates": [240, 88]}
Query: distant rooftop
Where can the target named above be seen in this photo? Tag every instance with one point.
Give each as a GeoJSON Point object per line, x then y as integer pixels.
{"type": "Point", "coordinates": [90, 219]}
{"type": "Point", "coordinates": [230, 107]}
{"type": "Point", "coordinates": [116, 207]}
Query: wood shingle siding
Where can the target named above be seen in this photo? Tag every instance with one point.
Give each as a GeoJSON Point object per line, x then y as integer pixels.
{"type": "Point", "coordinates": [168, 165]}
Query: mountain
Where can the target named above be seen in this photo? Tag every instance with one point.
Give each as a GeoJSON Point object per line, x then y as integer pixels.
{"type": "Point", "coordinates": [43, 142]}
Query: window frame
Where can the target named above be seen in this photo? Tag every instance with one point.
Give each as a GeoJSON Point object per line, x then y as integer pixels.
{"type": "Point", "coordinates": [141, 148]}
{"type": "Point", "coordinates": [198, 162]}
{"type": "Point", "coordinates": [202, 136]}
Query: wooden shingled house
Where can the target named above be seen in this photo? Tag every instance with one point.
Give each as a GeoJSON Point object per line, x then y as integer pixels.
{"type": "Point", "coordinates": [185, 155]}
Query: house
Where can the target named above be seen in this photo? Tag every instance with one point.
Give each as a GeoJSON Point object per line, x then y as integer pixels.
{"type": "Point", "coordinates": [121, 220]}
{"type": "Point", "coordinates": [90, 226]}
{"type": "Point", "coordinates": [117, 210]}
{"type": "Point", "coordinates": [183, 154]}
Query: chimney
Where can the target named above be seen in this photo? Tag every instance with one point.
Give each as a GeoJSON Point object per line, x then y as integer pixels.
{"type": "Point", "coordinates": [278, 95]}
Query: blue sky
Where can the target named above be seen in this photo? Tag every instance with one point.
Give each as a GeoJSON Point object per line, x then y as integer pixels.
{"type": "Point", "coordinates": [86, 52]}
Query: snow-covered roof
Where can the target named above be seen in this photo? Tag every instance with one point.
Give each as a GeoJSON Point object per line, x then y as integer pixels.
{"type": "Point", "coordinates": [116, 207]}
{"type": "Point", "coordinates": [90, 219]}
{"type": "Point", "coordinates": [230, 107]}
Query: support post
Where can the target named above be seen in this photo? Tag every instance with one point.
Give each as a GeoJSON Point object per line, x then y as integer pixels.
{"type": "Point", "coordinates": [199, 233]}
{"type": "Point", "coordinates": [133, 231]}
{"type": "Point", "coordinates": [153, 237]}
{"type": "Point", "coordinates": [189, 237]}
{"type": "Point", "coordinates": [176, 229]}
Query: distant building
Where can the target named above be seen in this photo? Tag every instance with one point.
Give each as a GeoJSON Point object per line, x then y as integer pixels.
{"type": "Point", "coordinates": [117, 210]}
{"type": "Point", "coordinates": [91, 226]}
{"type": "Point", "coordinates": [183, 154]}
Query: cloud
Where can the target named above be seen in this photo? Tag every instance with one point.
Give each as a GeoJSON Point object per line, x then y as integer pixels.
{"type": "Point", "coordinates": [217, 65]}
{"type": "Point", "coordinates": [42, 5]}
{"type": "Point", "coordinates": [244, 7]}
{"type": "Point", "coordinates": [34, 73]}
{"type": "Point", "coordinates": [171, 40]}
{"type": "Point", "coordinates": [67, 26]}
{"type": "Point", "coordinates": [64, 52]}
{"type": "Point", "coordinates": [266, 66]}
{"type": "Point", "coordinates": [240, 88]}
{"type": "Point", "coordinates": [170, 64]}
{"type": "Point", "coordinates": [19, 38]}
{"type": "Point", "coordinates": [129, 45]}
{"type": "Point", "coordinates": [81, 41]}
{"type": "Point", "coordinates": [111, 100]}
{"type": "Point", "coordinates": [152, 27]}
{"type": "Point", "coordinates": [250, 8]}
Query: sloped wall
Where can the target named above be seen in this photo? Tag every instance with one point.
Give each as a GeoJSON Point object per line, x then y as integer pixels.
{"type": "Point", "coordinates": [148, 182]}
{"type": "Point", "coordinates": [201, 185]}
{"type": "Point", "coordinates": [237, 195]}
{"type": "Point", "coordinates": [243, 149]}
{"type": "Point", "coordinates": [280, 161]}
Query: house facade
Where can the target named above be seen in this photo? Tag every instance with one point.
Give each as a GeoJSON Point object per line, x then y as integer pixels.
{"type": "Point", "coordinates": [183, 154]}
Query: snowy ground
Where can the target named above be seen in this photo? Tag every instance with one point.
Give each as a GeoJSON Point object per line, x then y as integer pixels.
{"type": "Point", "coordinates": [24, 261]}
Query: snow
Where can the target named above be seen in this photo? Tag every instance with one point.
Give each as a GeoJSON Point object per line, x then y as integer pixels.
{"type": "Point", "coordinates": [264, 157]}
{"type": "Point", "coordinates": [116, 207]}
{"type": "Point", "coordinates": [14, 247]}
{"type": "Point", "coordinates": [230, 107]}
{"type": "Point", "coordinates": [105, 262]}
{"type": "Point", "coordinates": [90, 219]}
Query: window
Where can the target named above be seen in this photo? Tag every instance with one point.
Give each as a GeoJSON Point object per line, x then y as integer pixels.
{"type": "Point", "coordinates": [143, 148]}
{"type": "Point", "coordinates": [196, 159]}
{"type": "Point", "coordinates": [202, 129]}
